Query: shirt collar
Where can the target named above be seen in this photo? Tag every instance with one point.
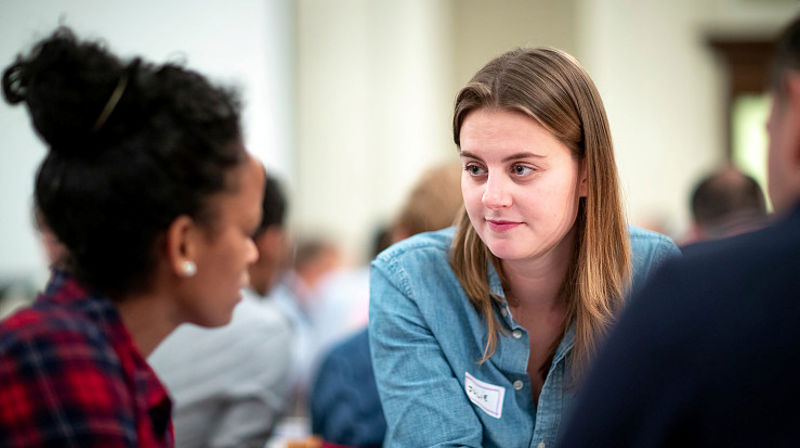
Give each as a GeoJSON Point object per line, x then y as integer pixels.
{"type": "Point", "coordinates": [566, 344]}
{"type": "Point", "coordinates": [62, 288]}
{"type": "Point", "coordinates": [496, 288]}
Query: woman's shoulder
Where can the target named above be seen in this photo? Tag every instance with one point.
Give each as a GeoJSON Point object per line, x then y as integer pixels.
{"type": "Point", "coordinates": [645, 238]}
{"type": "Point", "coordinates": [39, 318]}
{"type": "Point", "coordinates": [51, 331]}
{"type": "Point", "coordinates": [47, 351]}
{"type": "Point", "coordinates": [59, 349]}
{"type": "Point", "coordinates": [648, 251]}
{"type": "Point", "coordinates": [420, 249]}
{"type": "Point", "coordinates": [418, 267]}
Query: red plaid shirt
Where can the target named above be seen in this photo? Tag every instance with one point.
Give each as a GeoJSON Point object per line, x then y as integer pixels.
{"type": "Point", "coordinates": [71, 376]}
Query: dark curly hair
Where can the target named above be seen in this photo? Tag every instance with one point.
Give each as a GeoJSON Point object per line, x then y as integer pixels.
{"type": "Point", "coordinates": [132, 146]}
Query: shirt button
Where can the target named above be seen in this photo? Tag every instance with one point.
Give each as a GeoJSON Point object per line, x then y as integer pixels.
{"type": "Point", "coordinates": [517, 334]}
{"type": "Point", "coordinates": [541, 445]}
{"type": "Point", "coordinates": [518, 385]}
{"type": "Point", "coordinates": [504, 312]}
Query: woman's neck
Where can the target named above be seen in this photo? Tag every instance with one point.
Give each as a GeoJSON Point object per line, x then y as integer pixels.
{"type": "Point", "coordinates": [536, 283]}
{"type": "Point", "coordinates": [148, 319]}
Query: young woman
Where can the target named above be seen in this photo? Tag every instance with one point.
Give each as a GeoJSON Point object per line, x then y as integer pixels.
{"type": "Point", "coordinates": [480, 334]}
{"type": "Point", "coordinates": [149, 189]}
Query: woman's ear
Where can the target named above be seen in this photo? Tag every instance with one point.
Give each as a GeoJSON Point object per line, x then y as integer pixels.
{"type": "Point", "coordinates": [182, 246]}
{"type": "Point", "coordinates": [583, 187]}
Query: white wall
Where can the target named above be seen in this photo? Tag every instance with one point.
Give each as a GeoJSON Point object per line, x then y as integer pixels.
{"type": "Point", "coordinates": [485, 29]}
{"type": "Point", "coordinates": [373, 110]}
{"type": "Point", "coordinates": [241, 42]}
{"type": "Point", "coordinates": [663, 92]}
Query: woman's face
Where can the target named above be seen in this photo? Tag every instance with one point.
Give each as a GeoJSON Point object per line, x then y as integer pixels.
{"type": "Point", "coordinates": [521, 185]}
{"type": "Point", "coordinates": [225, 250]}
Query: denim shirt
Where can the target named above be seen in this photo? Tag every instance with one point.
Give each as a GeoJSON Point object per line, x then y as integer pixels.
{"type": "Point", "coordinates": [427, 339]}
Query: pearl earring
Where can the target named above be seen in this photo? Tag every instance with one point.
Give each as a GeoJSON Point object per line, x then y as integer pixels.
{"type": "Point", "coordinates": [189, 268]}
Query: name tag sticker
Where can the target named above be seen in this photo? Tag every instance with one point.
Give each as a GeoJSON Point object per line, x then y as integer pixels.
{"type": "Point", "coordinates": [484, 395]}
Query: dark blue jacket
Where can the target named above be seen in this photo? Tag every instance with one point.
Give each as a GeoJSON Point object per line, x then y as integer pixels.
{"type": "Point", "coordinates": [707, 354]}
{"type": "Point", "coordinates": [345, 408]}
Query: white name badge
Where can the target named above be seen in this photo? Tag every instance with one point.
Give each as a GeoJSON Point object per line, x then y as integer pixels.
{"type": "Point", "coordinates": [484, 395]}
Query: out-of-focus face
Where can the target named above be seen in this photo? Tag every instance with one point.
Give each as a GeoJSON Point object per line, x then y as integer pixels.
{"type": "Point", "coordinates": [521, 185]}
{"type": "Point", "coordinates": [226, 249]}
{"type": "Point", "coordinates": [783, 130]}
{"type": "Point", "coordinates": [273, 255]}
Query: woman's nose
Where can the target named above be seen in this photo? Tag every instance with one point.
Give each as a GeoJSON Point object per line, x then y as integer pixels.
{"type": "Point", "coordinates": [496, 193]}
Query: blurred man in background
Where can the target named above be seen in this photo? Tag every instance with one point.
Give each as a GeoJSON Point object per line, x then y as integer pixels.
{"type": "Point", "coordinates": [725, 203]}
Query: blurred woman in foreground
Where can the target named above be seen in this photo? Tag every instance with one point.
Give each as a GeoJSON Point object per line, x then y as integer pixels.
{"type": "Point", "coordinates": [147, 185]}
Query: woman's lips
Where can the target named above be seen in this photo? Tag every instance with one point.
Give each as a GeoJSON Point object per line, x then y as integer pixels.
{"type": "Point", "coordinates": [499, 225]}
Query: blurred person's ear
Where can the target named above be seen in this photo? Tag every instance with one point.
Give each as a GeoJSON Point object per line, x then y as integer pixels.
{"type": "Point", "coordinates": [271, 243]}
{"type": "Point", "coordinates": [793, 93]}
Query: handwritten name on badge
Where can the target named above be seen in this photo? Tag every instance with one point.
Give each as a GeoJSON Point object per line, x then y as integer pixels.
{"type": "Point", "coordinates": [484, 395]}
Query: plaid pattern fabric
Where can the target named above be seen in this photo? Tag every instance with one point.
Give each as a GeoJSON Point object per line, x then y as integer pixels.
{"type": "Point", "coordinates": [70, 376]}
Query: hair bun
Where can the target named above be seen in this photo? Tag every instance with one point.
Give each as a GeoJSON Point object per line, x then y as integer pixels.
{"type": "Point", "coordinates": [66, 84]}
{"type": "Point", "coordinates": [14, 83]}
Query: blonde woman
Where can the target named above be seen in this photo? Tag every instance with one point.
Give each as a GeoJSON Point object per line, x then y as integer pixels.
{"type": "Point", "coordinates": [479, 334]}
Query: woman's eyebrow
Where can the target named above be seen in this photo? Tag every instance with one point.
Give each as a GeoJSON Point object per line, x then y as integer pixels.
{"type": "Point", "coordinates": [517, 156]}
{"type": "Point", "coordinates": [522, 155]}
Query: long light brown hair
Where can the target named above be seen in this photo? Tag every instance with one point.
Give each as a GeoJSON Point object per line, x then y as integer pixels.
{"type": "Point", "coordinates": [552, 88]}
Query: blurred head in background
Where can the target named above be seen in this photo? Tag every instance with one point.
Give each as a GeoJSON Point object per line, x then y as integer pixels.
{"type": "Point", "coordinates": [727, 202]}
{"type": "Point", "coordinates": [432, 204]}
{"type": "Point", "coordinates": [270, 238]}
{"type": "Point", "coordinates": [314, 259]}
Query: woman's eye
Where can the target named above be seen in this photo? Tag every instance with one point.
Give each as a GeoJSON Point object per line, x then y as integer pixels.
{"type": "Point", "coordinates": [522, 170]}
{"type": "Point", "coordinates": [473, 170]}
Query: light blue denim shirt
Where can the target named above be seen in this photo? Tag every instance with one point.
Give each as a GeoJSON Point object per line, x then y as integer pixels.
{"type": "Point", "coordinates": [426, 340]}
